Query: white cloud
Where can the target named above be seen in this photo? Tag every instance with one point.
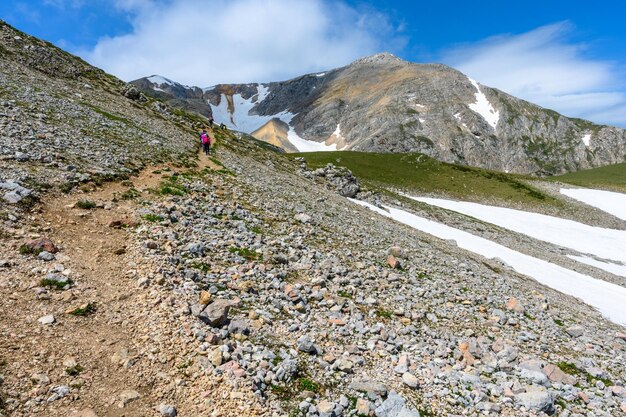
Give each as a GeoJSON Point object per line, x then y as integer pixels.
{"type": "Point", "coordinates": [543, 67]}
{"type": "Point", "coordinates": [203, 42]}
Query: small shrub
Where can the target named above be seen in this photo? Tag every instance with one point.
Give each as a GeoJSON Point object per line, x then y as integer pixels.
{"type": "Point", "coordinates": [558, 322]}
{"type": "Point", "coordinates": [130, 194]}
{"type": "Point", "coordinates": [27, 250]}
{"type": "Point", "coordinates": [153, 218]}
{"type": "Point", "coordinates": [305, 384]}
{"type": "Point", "coordinates": [344, 294]}
{"type": "Point", "coordinates": [383, 313]}
{"type": "Point", "coordinates": [245, 253]}
{"type": "Point", "coordinates": [51, 283]}
{"type": "Point", "coordinates": [74, 370]}
{"type": "Point", "coordinates": [84, 310]}
{"type": "Point", "coordinates": [85, 204]}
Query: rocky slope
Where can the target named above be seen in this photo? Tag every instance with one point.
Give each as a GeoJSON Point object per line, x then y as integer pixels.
{"type": "Point", "coordinates": [247, 284]}
{"type": "Point", "coordinates": [381, 103]}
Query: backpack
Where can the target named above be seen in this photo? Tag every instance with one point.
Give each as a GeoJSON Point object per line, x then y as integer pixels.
{"type": "Point", "coordinates": [204, 138]}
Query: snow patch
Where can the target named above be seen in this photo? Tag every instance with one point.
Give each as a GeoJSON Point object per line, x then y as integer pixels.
{"type": "Point", "coordinates": [262, 92]}
{"type": "Point", "coordinates": [484, 107]}
{"type": "Point", "coordinates": [241, 119]}
{"type": "Point", "coordinates": [157, 79]}
{"type": "Point", "coordinates": [608, 298]}
{"type": "Point", "coordinates": [611, 202]}
{"type": "Point", "coordinates": [598, 241]}
{"type": "Point", "coordinates": [321, 74]}
{"type": "Point", "coordinates": [613, 268]}
{"type": "Point", "coordinates": [586, 139]}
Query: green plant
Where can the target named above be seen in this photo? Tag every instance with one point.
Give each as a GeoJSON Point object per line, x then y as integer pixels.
{"type": "Point", "coordinates": [201, 266]}
{"type": "Point", "coordinates": [344, 294]}
{"type": "Point", "coordinates": [84, 310]}
{"type": "Point", "coordinates": [74, 370]}
{"type": "Point", "coordinates": [558, 322]}
{"type": "Point", "coordinates": [571, 369]}
{"type": "Point", "coordinates": [307, 384]}
{"type": "Point", "coordinates": [383, 313]}
{"type": "Point", "coordinates": [27, 250]}
{"type": "Point", "coordinates": [130, 194]}
{"type": "Point", "coordinates": [153, 218]}
{"type": "Point", "coordinates": [85, 204]}
{"type": "Point", "coordinates": [245, 253]}
{"type": "Point", "coordinates": [51, 283]}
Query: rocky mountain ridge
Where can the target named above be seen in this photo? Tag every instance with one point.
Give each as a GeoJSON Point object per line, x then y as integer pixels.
{"type": "Point", "coordinates": [384, 104]}
{"type": "Point", "coordinates": [148, 279]}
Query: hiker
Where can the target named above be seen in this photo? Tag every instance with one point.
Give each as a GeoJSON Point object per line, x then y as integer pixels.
{"type": "Point", "coordinates": [223, 126]}
{"type": "Point", "coordinates": [211, 122]}
{"type": "Point", "coordinates": [206, 142]}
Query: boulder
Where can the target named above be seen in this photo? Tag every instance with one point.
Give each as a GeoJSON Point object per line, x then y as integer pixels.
{"type": "Point", "coordinates": [536, 398]}
{"type": "Point", "coordinates": [216, 313]}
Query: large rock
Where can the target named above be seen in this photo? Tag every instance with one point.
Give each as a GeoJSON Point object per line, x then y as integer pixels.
{"type": "Point", "coordinates": [41, 245]}
{"type": "Point", "coordinates": [216, 313]}
{"type": "Point", "coordinates": [395, 406]}
{"type": "Point", "coordinates": [555, 374]}
{"type": "Point", "coordinates": [536, 399]}
{"type": "Point", "coordinates": [367, 386]}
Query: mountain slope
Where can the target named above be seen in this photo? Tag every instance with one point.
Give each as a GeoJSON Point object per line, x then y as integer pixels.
{"type": "Point", "coordinates": [247, 284]}
{"type": "Point", "coordinates": [383, 104]}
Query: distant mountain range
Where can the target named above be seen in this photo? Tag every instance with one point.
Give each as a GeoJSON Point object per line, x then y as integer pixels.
{"type": "Point", "coordinates": [381, 103]}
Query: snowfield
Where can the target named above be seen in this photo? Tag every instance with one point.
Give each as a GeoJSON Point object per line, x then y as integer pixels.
{"type": "Point", "coordinates": [612, 203]}
{"type": "Point", "coordinates": [242, 120]}
{"type": "Point", "coordinates": [608, 298]}
{"type": "Point", "coordinates": [598, 241]}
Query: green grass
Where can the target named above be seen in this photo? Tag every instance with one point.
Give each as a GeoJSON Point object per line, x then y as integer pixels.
{"type": "Point", "coordinates": [27, 250]}
{"type": "Point", "coordinates": [85, 204]}
{"type": "Point", "coordinates": [153, 218]}
{"type": "Point", "coordinates": [383, 313]}
{"type": "Point", "coordinates": [170, 186]}
{"type": "Point", "coordinates": [420, 173]}
{"type": "Point", "coordinates": [74, 370]}
{"type": "Point", "coordinates": [50, 283]}
{"type": "Point", "coordinates": [571, 369]}
{"type": "Point", "coordinates": [130, 194]}
{"type": "Point", "coordinates": [245, 253]}
{"type": "Point", "coordinates": [610, 176]}
{"type": "Point", "coordinates": [83, 310]}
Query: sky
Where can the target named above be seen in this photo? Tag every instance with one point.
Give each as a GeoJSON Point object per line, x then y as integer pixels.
{"type": "Point", "coordinates": [569, 56]}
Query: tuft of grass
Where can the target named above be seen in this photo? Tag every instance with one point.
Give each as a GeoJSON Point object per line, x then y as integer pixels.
{"type": "Point", "coordinates": [201, 266]}
{"type": "Point", "coordinates": [130, 194]}
{"type": "Point", "coordinates": [344, 294]}
{"type": "Point", "coordinates": [559, 322]}
{"type": "Point", "coordinates": [85, 204]}
{"type": "Point", "coordinates": [306, 384]}
{"type": "Point", "coordinates": [245, 253]}
{"type": "Point", "coordinates": [383, 313]}
{"type": "Point", "coordinates": [83, 311]}
{"type": "Point", "coordinates": [74, 370]}
{"type": "Point", "coordinates": [27, 250]}
{"type": "Point", "coordinates": [170, 186]}
{"type": "Point", "coordinates": [153, 218]}
{"type": "Point", "coordinates": [50, 283]}
{"type": "Point", "coordinates": [571, 369]}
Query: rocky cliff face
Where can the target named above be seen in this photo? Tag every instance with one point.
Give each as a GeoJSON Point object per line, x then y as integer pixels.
{"type": "Point", "coordinates": [384, 104]}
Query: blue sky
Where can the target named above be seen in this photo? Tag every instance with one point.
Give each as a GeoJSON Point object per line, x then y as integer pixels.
{"type": "Point", "coordinates": [565, 55]}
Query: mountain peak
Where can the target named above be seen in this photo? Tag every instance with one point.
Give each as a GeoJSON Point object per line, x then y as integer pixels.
{"type": "Point", "coordinates": [380, 58]}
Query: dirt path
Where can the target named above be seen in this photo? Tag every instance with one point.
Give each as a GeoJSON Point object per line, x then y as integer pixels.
{"type": "Point", "coordinates": [129, 323]}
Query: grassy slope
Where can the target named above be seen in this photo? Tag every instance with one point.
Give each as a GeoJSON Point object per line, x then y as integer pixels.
{"type": "Point", "coordinates": [611, 176]}
{"type": "Point", "coordinates": [418, 172]}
